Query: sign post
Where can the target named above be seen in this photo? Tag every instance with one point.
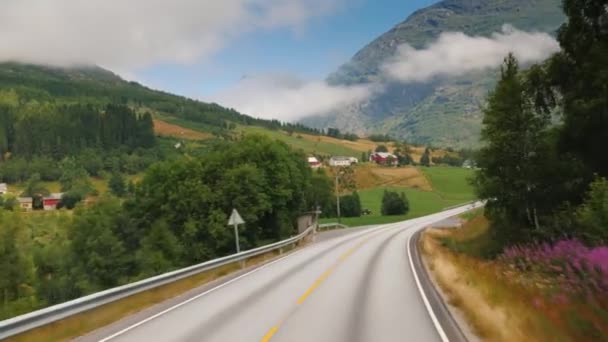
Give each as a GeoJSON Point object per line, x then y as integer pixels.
{"type": "Point", "coordinates": [234, 220]}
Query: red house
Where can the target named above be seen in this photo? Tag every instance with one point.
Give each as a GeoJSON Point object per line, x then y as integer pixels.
{"type": "Point", "coordinates": [50, 202]}
{"type": "Point", "coordinates": [384, 158]}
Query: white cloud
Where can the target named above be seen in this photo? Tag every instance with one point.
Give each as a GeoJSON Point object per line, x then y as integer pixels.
{"type": "Point", "coordinates": [133, 34]}
{"type": "Point", "coordinates": [288, 98]}
{"type": "Point", "coordinates": [455, 53]}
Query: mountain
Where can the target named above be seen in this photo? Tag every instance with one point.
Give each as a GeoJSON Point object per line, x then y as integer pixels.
{"type": "Point", "coordinates": [444, 111]}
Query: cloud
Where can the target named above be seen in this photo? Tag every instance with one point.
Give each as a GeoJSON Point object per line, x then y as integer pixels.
{"type": "Point", "coordinates": [133, 34]}
{"type": "Point", "coordinates": [288, 98]}
{"type": "Point", "coordinates": [455, 53]}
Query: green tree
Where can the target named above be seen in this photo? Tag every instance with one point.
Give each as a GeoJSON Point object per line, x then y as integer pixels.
{"type": "Point", "coordinates": [512, 159]}
{"type": "Point", "coordinates": [100, 258]}
{"type": "Point", "coordinates": [117, 184]}
{"type": "Point", "coordinates": [16, 267]}
{"type": "Point", "coordinates": [394, 203]}
{"type": "Point", "coordinates": [73, 175]}
{"type": "Point", "coordinates": [593, 214]}
{"type": "Point", "coordinates": [580, 73]}
{"type": "Point", "coordinates": [160, 250]}
{"type": "Point", "coordinates": [381, 148]}
{"type": "Point", "coordinates": [350, 205]}
{"type": "Point", "coordinates": [321, 192]}
{"type": "Point", "coordinates": [425, 159]}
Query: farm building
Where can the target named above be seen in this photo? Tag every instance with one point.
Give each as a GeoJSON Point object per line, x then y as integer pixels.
{"type": "Point", "coordinates": [384, 158]}
{"type": "Point", "coordinates": [25, 203]}
{"type": "Point", "coordinates": [342, 161]}
{"type": "Point", "coordinates": [50, 202]}
{"type": "Point", "coordinates": [3, 189]}
{"type": "Point", "coordinates": [314, 163]}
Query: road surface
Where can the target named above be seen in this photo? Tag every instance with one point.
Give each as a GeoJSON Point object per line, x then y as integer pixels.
{"type": "Point", "coordinates": [354, 287]}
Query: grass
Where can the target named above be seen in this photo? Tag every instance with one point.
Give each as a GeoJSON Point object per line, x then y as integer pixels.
{"type": "Point", "coordinates": [450, 182]}
{"type": "Point", "coordinates": [421, 203]}
{"type": "Point", "coordinates": [449, 187]}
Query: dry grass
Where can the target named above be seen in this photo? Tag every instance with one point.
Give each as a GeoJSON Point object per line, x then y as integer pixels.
{"type": "Point", "coordinates": [164, 128]}
{"type": "Point", "coordinates": [85, 322]}
{"type": "Point", "coordinates": [370, 176]}
{"type": "Point", "coordinates": [497, 309]}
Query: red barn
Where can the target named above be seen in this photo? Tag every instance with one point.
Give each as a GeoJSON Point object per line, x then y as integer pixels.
{"type": "Point", "coordinates": [384, 158]}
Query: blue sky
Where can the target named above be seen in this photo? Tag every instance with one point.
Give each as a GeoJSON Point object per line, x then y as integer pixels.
{"type": "Point", "coordinates": [309, 52]}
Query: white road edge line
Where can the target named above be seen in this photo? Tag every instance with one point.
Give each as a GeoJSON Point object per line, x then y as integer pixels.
{"type": "Point", "coordinates": [194, 298]}
{"type": "Point", "coordinates": [429, 309]}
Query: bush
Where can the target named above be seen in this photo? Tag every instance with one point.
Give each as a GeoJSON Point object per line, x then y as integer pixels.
{"type": "Point", "coordinates": [394, 203]}
{"type": "Point", "coordinates": [69, 200]}
{"type": "Point", "coordinates": [350, 205]}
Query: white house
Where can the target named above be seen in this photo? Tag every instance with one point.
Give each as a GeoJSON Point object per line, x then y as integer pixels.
{"type": "Point", "coordinates": [342, 161]}
{"type": "Point", "coordinates": [3, 189]}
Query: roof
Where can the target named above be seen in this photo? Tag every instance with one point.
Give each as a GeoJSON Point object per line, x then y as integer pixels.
{"type": "Point", "coordinates": [24, 199]}
{"type": "Point", "coordinates": [341, 158]}
{"type": "Point", "coordinates": [385, 155]}
{"type": "Point", "coordinates": [56, 195]}
{"type": "Point", "coordinates": [313, 160]}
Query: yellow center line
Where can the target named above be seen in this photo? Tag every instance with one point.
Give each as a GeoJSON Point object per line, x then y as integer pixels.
{"type": "Point", "coordinates": [268, 335]}
{"type": "Point", "coordinates": [316, 284]}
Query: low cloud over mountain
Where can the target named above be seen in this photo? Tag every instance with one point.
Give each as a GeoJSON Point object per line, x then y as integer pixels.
{"type": "Point", "coordinates": [455, 53]}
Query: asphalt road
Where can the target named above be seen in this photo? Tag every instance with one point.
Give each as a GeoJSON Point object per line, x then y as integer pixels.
{"type": "Point", "coordinates": [353, 287]}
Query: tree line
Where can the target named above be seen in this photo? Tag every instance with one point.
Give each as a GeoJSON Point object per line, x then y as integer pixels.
{"type": "Point", "coordinates": [58, 131]}
{"type": "Point", "coordinates": [543, 164]}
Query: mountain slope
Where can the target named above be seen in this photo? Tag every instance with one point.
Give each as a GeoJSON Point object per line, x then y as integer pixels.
{"type": "Point", "coordinates": [443, 111]}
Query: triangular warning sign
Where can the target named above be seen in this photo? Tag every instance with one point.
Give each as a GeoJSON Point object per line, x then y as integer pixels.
{"type": "Point", "coordinates": [235, 218]}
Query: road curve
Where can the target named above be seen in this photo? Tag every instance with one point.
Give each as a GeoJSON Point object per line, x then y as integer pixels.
{"type": "Point", "coordinates": [356, 287]}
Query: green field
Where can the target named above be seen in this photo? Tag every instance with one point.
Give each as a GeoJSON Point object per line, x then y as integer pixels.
{"type": "Point", "coordinates": [308, 146]}
{"type": "Point", "coordinates": [450, 187]}
{"type": "Point", "coordinates": [450, 182]}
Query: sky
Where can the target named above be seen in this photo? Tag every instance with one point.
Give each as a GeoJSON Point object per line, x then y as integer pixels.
{"type": "Point", "coordinates": [265, 58]}
{"type": "Point", "coordinates": [310, 52]}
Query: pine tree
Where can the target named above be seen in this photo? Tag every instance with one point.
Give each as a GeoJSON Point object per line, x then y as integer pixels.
{"type": "Point", "coordinates": [425, 159]}
{"type": "Point", "coordinates": [117, 184]}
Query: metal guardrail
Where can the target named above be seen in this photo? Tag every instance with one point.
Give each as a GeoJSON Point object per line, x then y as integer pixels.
{"type": "Point", "coordinates": [36, 319]}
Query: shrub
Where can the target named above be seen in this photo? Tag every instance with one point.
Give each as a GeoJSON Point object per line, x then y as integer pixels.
{"type": "Point", "coordinates": [394, 203]}
{"type": "Point", "coordinates": [350, 205]}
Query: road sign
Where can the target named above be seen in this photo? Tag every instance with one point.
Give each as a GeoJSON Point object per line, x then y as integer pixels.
{"type": "Point", "coordinates": [235, 218]}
